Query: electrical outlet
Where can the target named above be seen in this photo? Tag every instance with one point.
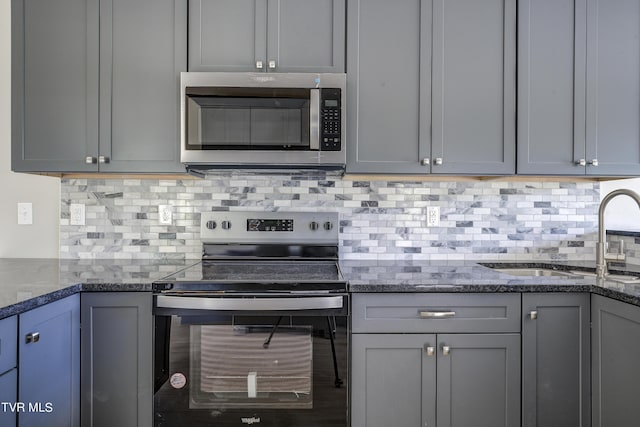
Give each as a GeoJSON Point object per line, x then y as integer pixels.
{"type": "Point", "coordinates": [433, 216]}
{"type": "Point", "coordinates": [165, 214]}
{"type": "Point", "coordinates": [25, 213]}
{"type": "Point", "coordinates": [76, 214]}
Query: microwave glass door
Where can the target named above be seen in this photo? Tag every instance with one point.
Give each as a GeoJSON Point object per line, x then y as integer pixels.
{"type": "Point", "coordinates": [248, 118]}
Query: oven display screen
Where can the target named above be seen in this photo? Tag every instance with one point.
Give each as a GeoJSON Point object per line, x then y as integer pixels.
{"type": "Point", "coordinates": [269, 225]}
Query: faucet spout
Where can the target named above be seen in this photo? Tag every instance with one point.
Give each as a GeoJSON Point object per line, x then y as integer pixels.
{"type": "Point", "coordinates": [601, 262]}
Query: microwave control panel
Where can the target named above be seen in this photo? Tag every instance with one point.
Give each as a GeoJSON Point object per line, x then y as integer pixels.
{"type": "Point", "coordinates": [331, 122]}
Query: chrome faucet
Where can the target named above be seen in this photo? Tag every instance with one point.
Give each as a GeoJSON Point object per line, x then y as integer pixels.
{"type": "Point", "coordinates": [601, 261]}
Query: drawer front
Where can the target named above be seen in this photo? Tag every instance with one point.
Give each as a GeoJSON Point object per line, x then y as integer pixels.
{"type": "Point", "coordinates": [435, 313]}
{"type": "Point", "coordinates": [8, 343]}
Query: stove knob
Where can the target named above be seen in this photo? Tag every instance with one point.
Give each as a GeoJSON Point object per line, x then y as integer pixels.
{"type": "Point", "coordinates": [226, 225]}
{"type": "Point", "coordinates": [313, 225]}
{"type": "Point", "coordinates": [328, 226]}
{"type": "Point", "coordinates": [211, 225]}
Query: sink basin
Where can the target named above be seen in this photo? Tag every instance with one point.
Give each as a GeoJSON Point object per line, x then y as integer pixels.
{"type": "Point", "coordinates": [534, 272]}
{"type": "Point", "coordinates": [622, 278]}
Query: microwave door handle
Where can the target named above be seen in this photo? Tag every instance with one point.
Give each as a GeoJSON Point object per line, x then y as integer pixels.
{"type": "Point", "coordinates": [314, 119]}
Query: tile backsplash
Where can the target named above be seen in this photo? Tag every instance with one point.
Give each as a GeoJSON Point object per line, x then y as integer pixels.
{"type": "Point", "coordinates": [490, 219]}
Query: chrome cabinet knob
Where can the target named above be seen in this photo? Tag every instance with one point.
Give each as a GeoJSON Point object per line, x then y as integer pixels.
{"type": "Point", "coordinates": [429, 350]}
{"type": "Point", "coordinates": [438, 161]}
{"type": "Point", "coordinates": [259, 65]}
{"type": "Point", "coordinates": [90, 160]}
{"type": "Point", "coordinates": [103, 159]}
{"type": "Point", "coordinates": [533, 315]}
{"type": "Point", "coordinates": [446, 350]}
{"type": "Point", "coordinates": [272, 64]}
{"type": "Point", "coordinates": [594, 162]}
{"type": "Point", "coordinates": [426, 161]}
{"type": "Point", "coordinates": [581, 162]}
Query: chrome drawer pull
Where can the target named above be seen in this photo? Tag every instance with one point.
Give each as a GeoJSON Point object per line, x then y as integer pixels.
{"type": "Point", "coordinates": [437, 314]}
{"type": "Point", "coordinates": [33, 337]}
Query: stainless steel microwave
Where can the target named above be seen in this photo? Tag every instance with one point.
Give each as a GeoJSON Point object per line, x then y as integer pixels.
{"type": "Point", "coordinates": [263, 120]}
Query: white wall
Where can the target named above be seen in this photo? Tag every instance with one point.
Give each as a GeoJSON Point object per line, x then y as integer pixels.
{"type": "Point", "coordinates": [622, 213]}
{"type": "Point", "coordinates": [39, 240]}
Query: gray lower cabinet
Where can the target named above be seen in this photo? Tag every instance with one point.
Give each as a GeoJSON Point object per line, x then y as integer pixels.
{"type": "Point", "coordinates": [556, 360]}
{"type": "Point", "coordinates": [8, 370]}
{"type": "Point", "coordinates": [578, 87]}
{"type": "Point", "coordinates": [9, 396]}
{"type": "Point", "coordinates": [267, 35]}
{"type": "Point", "coordinates": [49, 365]}
{"type": "Point", "coordinates": [117, 359]}
{"type": "Point", "coordinates": [464, 377]}
{"type": "Point", "coordinates": [431, 88]}
{"type": "Point", "coordinates": [615, 356]}
{"type": "Point", "coordinates": [95, 85]}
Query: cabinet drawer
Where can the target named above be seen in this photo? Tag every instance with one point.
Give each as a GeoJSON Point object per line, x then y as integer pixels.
{"type": "Point", "coordinates": [8, 343]}
{"type": "Point", "coordinates": [433, 313]}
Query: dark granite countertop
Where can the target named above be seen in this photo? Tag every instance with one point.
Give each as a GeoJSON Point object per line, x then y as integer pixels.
{"type": "Point", "coordinates": [471, 276]}
{"type": "Point", "coordinates": [29, 283]}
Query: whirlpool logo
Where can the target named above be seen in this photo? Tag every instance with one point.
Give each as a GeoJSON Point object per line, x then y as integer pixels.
{"type": "Point", "coordinates": [250, 421]}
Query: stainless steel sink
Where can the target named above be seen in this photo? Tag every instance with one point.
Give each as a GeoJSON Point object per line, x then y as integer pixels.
{"type": "Point", "coordinates": [534, 272]}
{"type": "Point", "coordinates": [622, 278]}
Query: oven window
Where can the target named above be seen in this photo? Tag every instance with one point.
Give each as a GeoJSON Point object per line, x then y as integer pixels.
{"type": "Point", "coordinates": [257, 366]}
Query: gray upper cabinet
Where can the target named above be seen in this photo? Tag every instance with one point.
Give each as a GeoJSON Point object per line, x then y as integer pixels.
{"type": "Point", "coordinates": [615, 355]}
{"type": "Point", "coordinates": [142, 52]}
{"type": "Point", "coordinates": [388, 86]}
{"type": "Point", "coordinates": [613, 87]}
{"type": "Point", "coordinates": [95, 85]}
{"type": "Point", "coordinates": [578, 90]}
{"type": "Point", "coordinates": [405, 118]}
{"type": "Point", "coordinates": [556, 360]}
{"type": "Point", "coordinates": [474, 87]}
{"type": "Point", "coordinates": [54, 84]}
{"type": "Point", "coordinates": [267, 35]}
{"type": "Point", "coordinates": [49, 364]}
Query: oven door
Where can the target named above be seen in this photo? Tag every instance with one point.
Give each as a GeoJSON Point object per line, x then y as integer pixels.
{"type": "Point", "coordinates": [266, 361]}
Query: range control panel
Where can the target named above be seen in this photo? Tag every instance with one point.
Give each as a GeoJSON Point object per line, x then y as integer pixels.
{"type": "Point", "coordinates": [270, 227]}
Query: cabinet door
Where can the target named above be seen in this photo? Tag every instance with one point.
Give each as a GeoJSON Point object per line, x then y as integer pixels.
{"type": "Point", "coordinates": [142, 52]}
{"type": "Point", "coordinates": [551, 86]}
{"type": "Point", "coordinates": [54, 85]}
{"type": "Point", "coordinates": [474, 87]}
{"type": "Point", "coordinates": [556, 360]}
{"type": "Point", "coordinates": [393, 380]}
{"type": "Point", "coordinates": [388, 86]}
{"type": "Point", "coordinates": [49, 364]}
{"type": "Point", "coordinates": [9, 394]}
{"type": "Point", "coordinates": [613, 86]}
{"type": "Point", "coordinates": [117, 359]}
{"type": "Point", "coordinates": [306, 36]}
{"type": "Point", "coordinates": [615, 355]}
{"type": "Point", "coordinates": [227, 35]}
{"type": "Point", "coordinates": [478, 380]}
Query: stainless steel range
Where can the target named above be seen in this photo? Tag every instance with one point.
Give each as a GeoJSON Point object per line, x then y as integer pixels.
{"type": "Point", "coordinates": [257, 332]}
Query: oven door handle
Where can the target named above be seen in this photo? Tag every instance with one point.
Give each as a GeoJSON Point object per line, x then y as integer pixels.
{"type": "Point", "coordinates": [249, 304]}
